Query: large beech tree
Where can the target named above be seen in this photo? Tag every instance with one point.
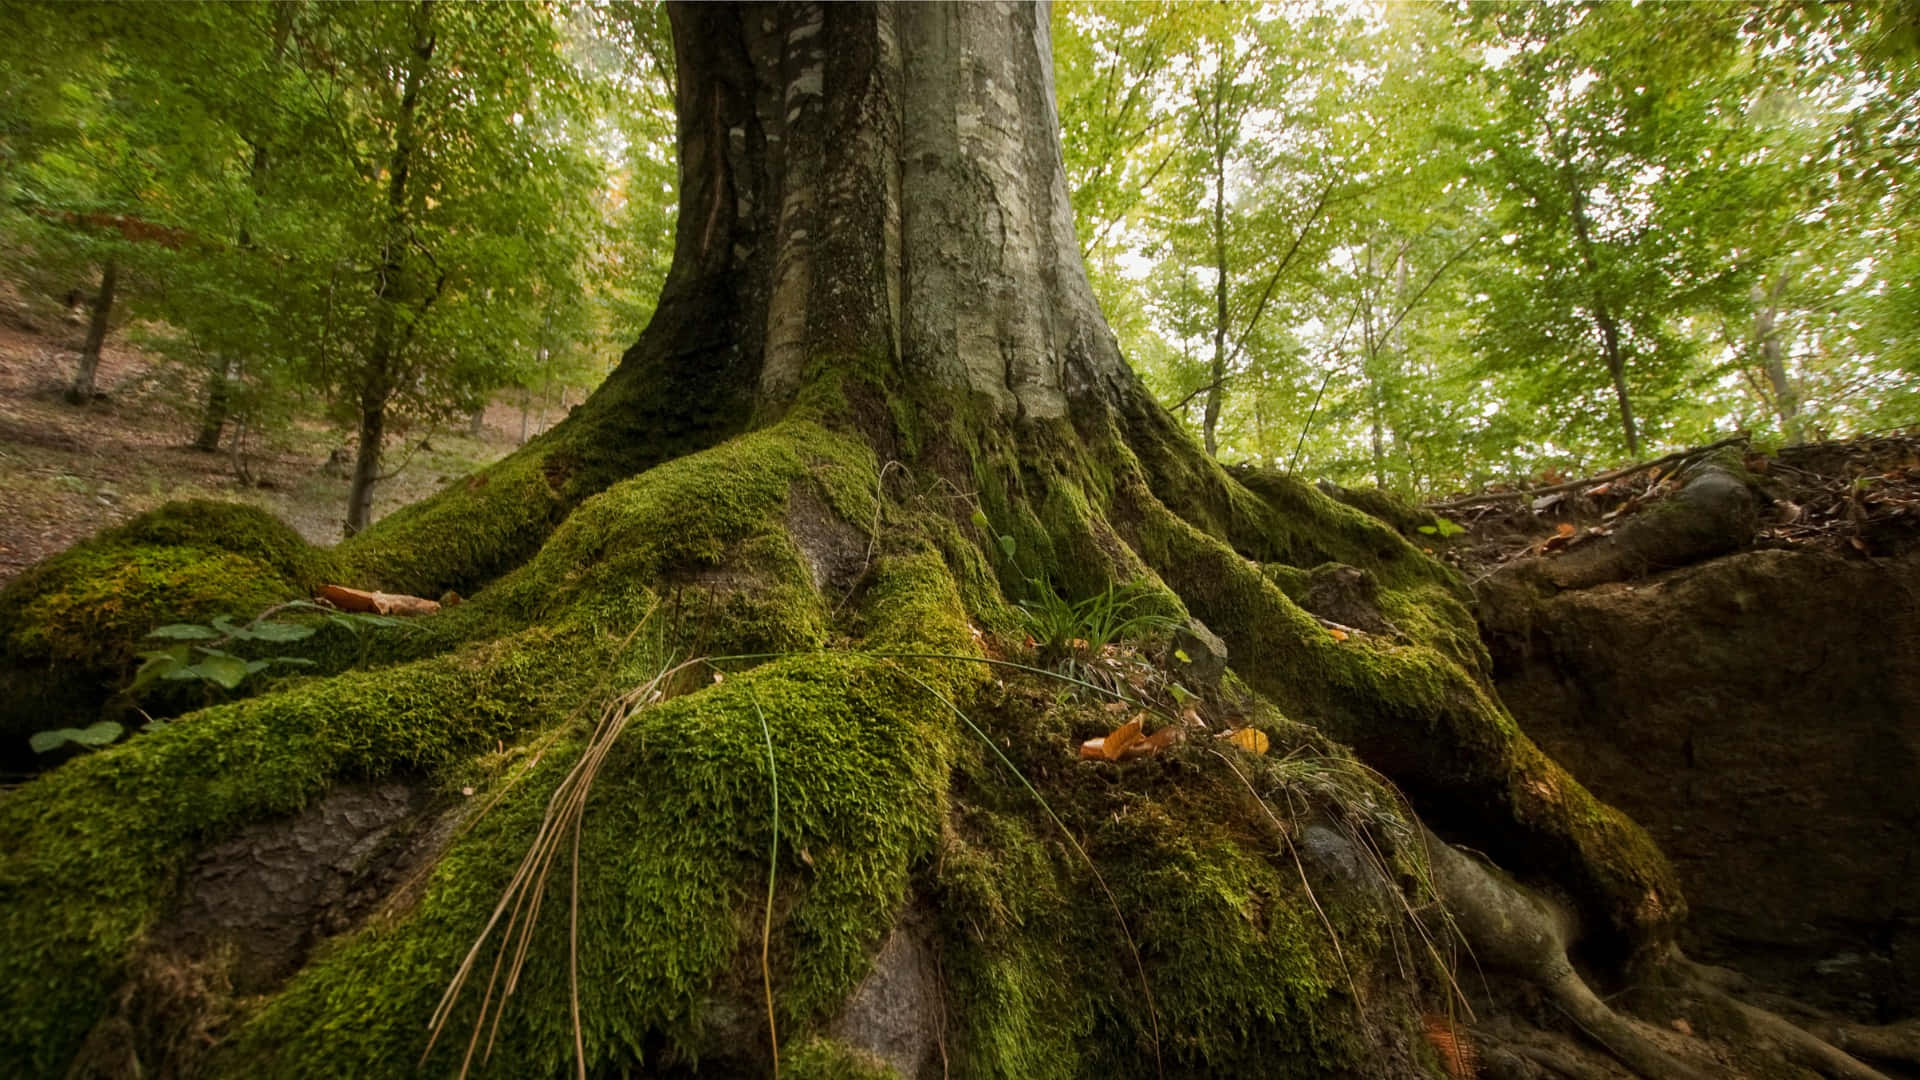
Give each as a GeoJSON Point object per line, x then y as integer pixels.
{"type": "Point", "coordinates": [877, 404]}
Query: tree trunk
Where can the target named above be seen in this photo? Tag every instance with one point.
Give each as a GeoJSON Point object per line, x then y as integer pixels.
{"type": "Point", "coordinates": [1216, 385]}
{"type": "Point", "coordinates": [1617, 371]}
{"type": "Point", "coordinates": [391, 289]}
{"type": "Point", "coordinates": [876, 408]}
{"type": "Point", "coordinates": [213, 415]}
{"type": "Point", "coordinates": [82, 390]}
{"type": "Point", "coordinates": [1767, 335]}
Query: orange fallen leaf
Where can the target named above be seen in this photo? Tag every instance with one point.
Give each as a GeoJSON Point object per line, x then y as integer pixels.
{"type": "Point", "coordinates": [1156, 742]}
{"type": "Point", "coordinates": [1252, 740]}
{"type": "Point", "coordinates": [1565, 528]}
{"type": "Point", "coordinates": [1120, 739]}
{"type": "Point", "coordinates": [1094, 749]}
{"type": "Point", "coordinates": [1338, 634]}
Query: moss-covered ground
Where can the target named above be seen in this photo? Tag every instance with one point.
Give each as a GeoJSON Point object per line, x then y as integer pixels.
{"type": "Point", "coordinates": [1148, 918]}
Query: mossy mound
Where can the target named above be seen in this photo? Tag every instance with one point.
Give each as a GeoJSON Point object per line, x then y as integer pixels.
{"type": "Point", "coordinates": [73, 624]}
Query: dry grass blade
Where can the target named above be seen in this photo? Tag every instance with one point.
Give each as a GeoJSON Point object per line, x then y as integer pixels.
{"type": "Point", "coordinates": [773, 867]}
{"type": "Point", "coordinates": [520, 901]}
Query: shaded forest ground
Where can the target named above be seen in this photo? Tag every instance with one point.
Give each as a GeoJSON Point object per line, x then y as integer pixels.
{"type": "Point", "coordinates": [67, 472]}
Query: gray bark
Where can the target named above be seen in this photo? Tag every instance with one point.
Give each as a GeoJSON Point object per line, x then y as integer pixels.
{"type": "Point", "coordinates": [1767, 336]}
{"type": "Point", "coordinates": [881, 187]}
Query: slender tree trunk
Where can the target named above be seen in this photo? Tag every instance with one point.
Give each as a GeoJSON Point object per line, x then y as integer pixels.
{"type": "Point", "coordinates": [1603, 317]}
{"type": "Point", "coordinates": [213, 416]}
{"type": "Point", "coordinates": [82, 389]}
{"type": "Point", "coordinates": [219, 399]}
{"type": "Point", "coordinates": [1617, 371]}
{"type": "Point", "coordinates": [391, 289]}
{"type": "Point", "coordinates": [1767, 336]}
{"type": "Point", "coordinates": [1216, 387]}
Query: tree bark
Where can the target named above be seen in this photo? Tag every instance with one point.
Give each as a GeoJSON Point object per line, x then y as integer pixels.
{"type": "Point", "coordinates": [213, 416]}
{"type": "Point", "coordinates": [391, 288]}
{"type": "Point", "coordinates": [82, 390]}
{"type": "Point", "coordinates": [1210, 417]}
{"type": "Point", "coordinates": [1767, 335]}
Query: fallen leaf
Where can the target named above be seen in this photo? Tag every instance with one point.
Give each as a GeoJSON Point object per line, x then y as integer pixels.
{"type": "Point", "coordinates": [1565, 528]}
{"type": "Point", "coordinates": [1338, 634]}
{"type": "Point", "coordinates": [1167, 736]}
{"type": "Point", "coordinates": [1094, 749]}
{"type": "Point", "coordinates": [1252, 740]}
{"type": "Point", "coordinates": [1120, 738]}
{"type": "Point", "coordinates": [1680, 1025]}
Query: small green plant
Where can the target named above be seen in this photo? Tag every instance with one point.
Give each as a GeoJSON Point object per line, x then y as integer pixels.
{"type": "Point", "coordinates": [1092, 640]}
{"type": "Point", "coordinates": [200, 650]}
{"type": "Point", "coordinates": [92, 737]}
{"type": "Point", "coordinates": [1443, 528]}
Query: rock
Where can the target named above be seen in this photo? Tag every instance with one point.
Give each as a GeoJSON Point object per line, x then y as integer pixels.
{"type": "Point", "coordinates": [895, 1014]}
{"type": "Point", "coordinates": [1206, 656]}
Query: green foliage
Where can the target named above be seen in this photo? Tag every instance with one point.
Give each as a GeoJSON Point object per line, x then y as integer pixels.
{"type": "Point", "coordinates": [93, 736]}
{"type": "Point", "coordinates": [199, 653]}
{"type": "Point", "coordinates": [1072, 633]}
{"type": "Point", "coordinates": [1443, 230]}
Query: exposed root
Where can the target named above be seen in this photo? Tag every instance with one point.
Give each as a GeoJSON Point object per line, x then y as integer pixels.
{"type": "Point", "coordinates": [1797, 1044]}
{"type": "Point", "coordinates": [1898, 1043]}
{"type": "Point", "coordinates": [1512, 929]}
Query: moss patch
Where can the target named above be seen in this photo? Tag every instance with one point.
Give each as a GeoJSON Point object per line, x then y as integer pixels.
{"type": "Point", "coordinates": [70, 626]}
{"type": "Point", "coordinates": [673, 855]}
{"type": "Point", "coordinates": [95, 846]}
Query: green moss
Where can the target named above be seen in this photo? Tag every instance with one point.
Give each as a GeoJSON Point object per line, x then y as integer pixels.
{"type": "Point", "coordinates": [467, 534]}
{"type": "Point", "coordinates": [825, 1059]}
{"type": "Point", "coordinates": [71, 625]}
{"type": "Point", "coordinates": [95, 847]}
{"type": "Point", "coordinates": [1428, 721]}
{"type": "Point", "coordinates": [673, 858]}
{"type": "Point", "coordinates": [1244, 977]}
{"type": "Point", "coordinates": [696, 514]}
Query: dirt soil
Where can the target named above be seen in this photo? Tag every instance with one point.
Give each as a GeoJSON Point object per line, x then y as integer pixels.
{"type": "Point", "coordinates": [67, 472]}
{"type": "Point", "coordinates": [1756, 710]}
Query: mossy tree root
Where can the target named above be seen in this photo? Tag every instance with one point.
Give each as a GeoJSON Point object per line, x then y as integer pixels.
{"type": "Point", "coordinates": [1513, 929]}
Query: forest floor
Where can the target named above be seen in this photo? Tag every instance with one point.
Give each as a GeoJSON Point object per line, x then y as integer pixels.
{"type": "Point", "coordinates": [1859, 497]}
{"type": "Point", "coordinates": [68, 471]}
